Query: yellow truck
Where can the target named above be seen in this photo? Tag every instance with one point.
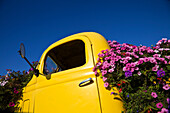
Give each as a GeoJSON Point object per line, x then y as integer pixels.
{"type": "Point", "coordinates": [64, 80]}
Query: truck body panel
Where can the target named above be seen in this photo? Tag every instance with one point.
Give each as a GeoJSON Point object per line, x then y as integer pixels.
{"type": "Point", "coordinates": [73, 88]}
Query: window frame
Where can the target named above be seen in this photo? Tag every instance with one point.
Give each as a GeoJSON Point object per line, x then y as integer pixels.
{"type": "Point", "coordinates": [47, 55]}
{"type": "Point", "coordinates": [88, 54]}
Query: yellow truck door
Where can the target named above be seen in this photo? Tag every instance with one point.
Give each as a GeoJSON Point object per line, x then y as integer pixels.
{"type": "Point", "coordinates": [109, 103]}
{"type": "Point", "coordinates": [68, 84]}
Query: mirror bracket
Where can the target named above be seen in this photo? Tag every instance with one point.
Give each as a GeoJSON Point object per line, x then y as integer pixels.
{"type": "Point", "coordinates": [48, 77]}
{"type": "Point", "coordinates": [36, 71]}
{"type": "Point", "coordinates": [22, 53]}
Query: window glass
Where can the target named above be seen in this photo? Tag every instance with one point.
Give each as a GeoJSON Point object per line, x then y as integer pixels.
{"type": "Point", "coordinates": [50, 66]}
{"type": "Point", "coordinates": [66, 56]}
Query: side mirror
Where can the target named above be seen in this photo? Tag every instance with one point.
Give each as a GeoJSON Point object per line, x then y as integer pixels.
{"type": "Point", "coordinates": [22, 53]}
{"type": "Point", "coordinates": [22, 50]}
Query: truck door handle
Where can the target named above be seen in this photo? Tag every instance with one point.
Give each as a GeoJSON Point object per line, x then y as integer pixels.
{"type": "Point", "coordinates": [86, 82]}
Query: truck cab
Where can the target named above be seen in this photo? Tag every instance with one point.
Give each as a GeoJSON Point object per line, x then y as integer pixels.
{"type": "Point", "coordinates": [67, 83]}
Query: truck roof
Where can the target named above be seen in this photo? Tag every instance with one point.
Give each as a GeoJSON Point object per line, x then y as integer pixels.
{"type": "Point", "coordinates": [97, 41]}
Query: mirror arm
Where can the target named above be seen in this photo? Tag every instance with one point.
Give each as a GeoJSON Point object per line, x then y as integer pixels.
{"type": "Point", "coordinates": [29, 63]}
{"type": "Point", "coordinates": [35, 70]}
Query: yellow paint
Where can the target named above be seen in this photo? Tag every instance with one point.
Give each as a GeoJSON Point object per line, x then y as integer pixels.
{"type": "Point", "coordinates": [62, 94]}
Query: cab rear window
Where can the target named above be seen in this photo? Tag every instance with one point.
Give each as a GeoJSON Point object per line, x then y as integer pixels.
{"type": "Point", "coordinates": [65, 56]}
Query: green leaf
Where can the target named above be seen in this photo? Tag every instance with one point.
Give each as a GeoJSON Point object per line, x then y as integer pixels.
{"type": "Point", "coordinates": [168, 67]}
{"type": "Point", "coordinates": [157, 86]}
{"type": "Point", "coordinates": [151, 79]}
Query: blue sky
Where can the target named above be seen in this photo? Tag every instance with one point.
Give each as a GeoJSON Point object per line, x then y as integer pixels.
{"type": "Point", "coordinates": [39, 23]}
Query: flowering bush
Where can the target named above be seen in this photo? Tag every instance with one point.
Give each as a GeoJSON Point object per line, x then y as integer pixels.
{"type": "Point", "coordinates": [140, 73]}
{"type": "Point", "coordinates": [11, 88]}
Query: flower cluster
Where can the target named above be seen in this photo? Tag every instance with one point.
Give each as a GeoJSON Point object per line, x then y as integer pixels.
{"type": "Point", "coordinates": [11, 88]}
{"type": "Point", "coordinates": [140, 73]}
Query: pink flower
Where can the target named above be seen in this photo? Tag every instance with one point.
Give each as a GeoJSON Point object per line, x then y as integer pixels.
{"type": "Point", "coordinates": [165, 62]}
{"type": "Point", "coordinates": [11, 104]}
{"type": "Point", "coordinates": [112, 58]}
{"type": "Point", "coordinates": [157, 46]}
{"type": "Point", "coordinates": [128, 65]}
{"type": "Point", "coordinates": [133, 64]}
{"type": "Point", "coordinates": [106, 58]}
{"type": "Point", "coordinates": [112, 62]}
{"type": "Point", "coordinates": [159, 42]}
{"type": "Point", "coordinates": [136, 56]}
{"type": "Point", "coordinates": [102, 51]}
{"type": "Point", "coordinates": [3, 83]}
{"type": "Point", "coordinates": [105, 65]}
{"type": "Point", "coordinates": [104, 72]}
{"type": "Point", "coordinates": [115, 59]}
{"type": "Point", "coordinates": [164, 110]}
{"type": "Point", "coordinates": [135, 50]}
{"type": "Point", "coordinates": [146, 59]}
{"type": "Point", "coordinates": [98, 64]}
{"type": "Point", "coordinates": [143, 48]}
{"type": "Point", "coordinates": [136, 68]}
{"type": "Point", "coordinates": [155, 69]}
{"type": "Point", "coordinates": [104, 78]}
{"type": "Point", "coordinates": [128, 58]}
{"type": "Point", "coordinates": [106, 84]}
{"type": "Point", "coordinates": [161, 59]}
{"type": "Point", "coordinates": [117, 48]}
{"type": "Point", "coordinates": [168, 100]}
{"type": "Point", "coordinates": [150, 51]}
{"type": "Point", "coordinates": [128, 53]}
{"type": "Point", "coordinates": [134, 47]}
{"type": "Point", "coordinates": [109, 41]}
{"type": "Point", "coordinates": [95, 73]}
{"type": "Point", "coordinates": [28, 72]}
{"type": "Point", "coordinates": [166, 87]}
{"type": "Point", "coordinates": [123, 48]}
{"type": "Point", "coordinates": [132, 69]}
{"type": "Point", "coordinates": [152, 60]}
{"type": "Point", "coordinates": [118, 57]}
{"type": "Point", "coordinates": [164, 39]}
{"type": "Point", "coordinates": [166, 49]}
{"type": "Point", "coordinates": [111, 70]}
{"type": "Point", "coordinates": [125, 61]}
{"type": "Point", "coordinates": [106, 54]}
{"type": "Point", "coordinates": [133, 54]}
{"type": "Point", "coordinates": [118, 51]}
{"type": "Point", "coordinates": [101, 55]}
{"type": "Point", "coordinates": [140, 61]}
{"type": "Point", "coordinates": [168, 57]}
{"type": "Point", "coordinates": [140, 53]}
{"type": "Point", "coordinates": [112, 54]}
{"type": "Point", "coordinates": [136, 63]}
{"type": "Point", "coordinates": [94, 68]}
{"type": "Point", "coordinates": [139, 73]}
{"type": "Point", "coordinates": [159, 105]}
{"type": "Point", "coordinates": [156, 51]}
{"type": "Point", "coordinates": [15, 91]}
{"type": "Point", "coordinates": [153, 94]}
{"type": "Point", "coordinates": [126, 68]}
{"type": "Point", "coordinates": [112, 65]}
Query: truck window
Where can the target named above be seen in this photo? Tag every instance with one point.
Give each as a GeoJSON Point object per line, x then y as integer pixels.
{"type": "Point", "coordinates": [65, 56]}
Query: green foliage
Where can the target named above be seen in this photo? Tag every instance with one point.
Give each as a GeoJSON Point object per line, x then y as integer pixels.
{"type": "Point", "coordinates": [11, 88]}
